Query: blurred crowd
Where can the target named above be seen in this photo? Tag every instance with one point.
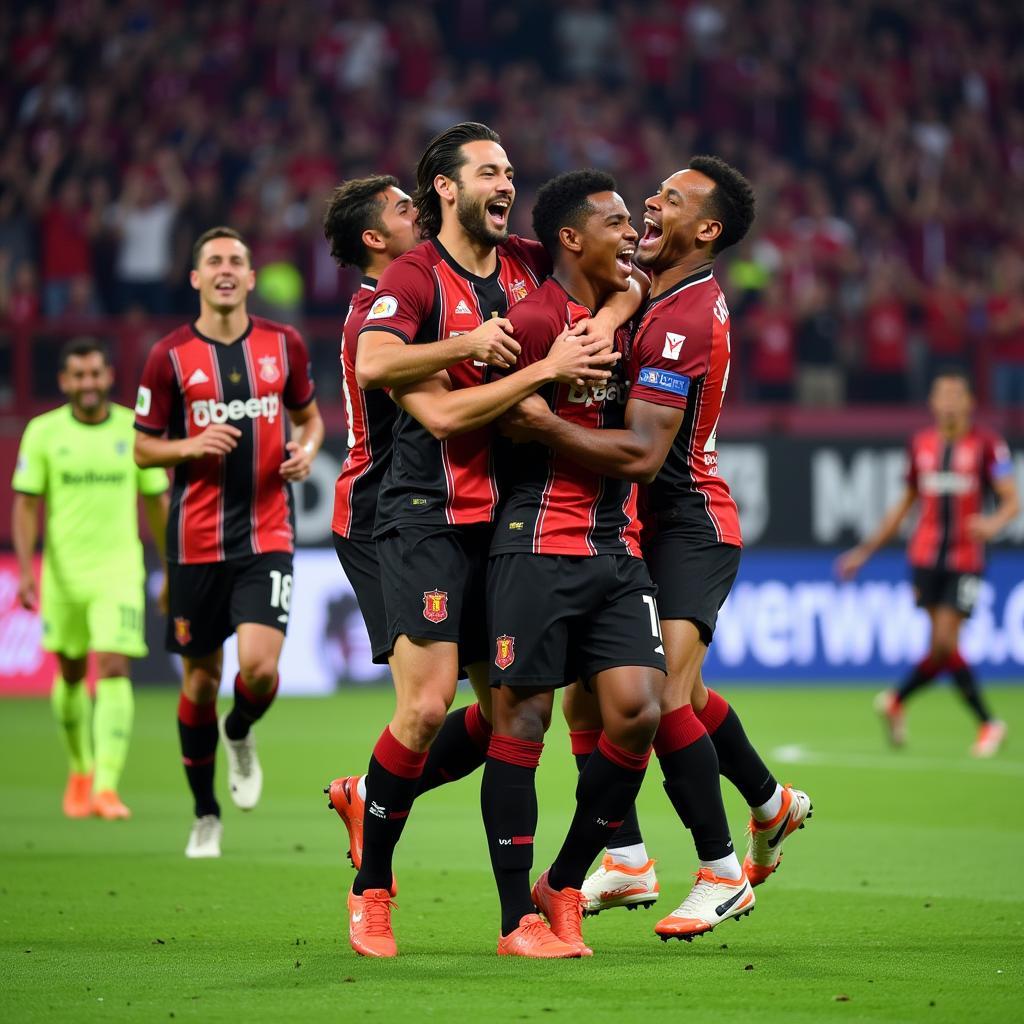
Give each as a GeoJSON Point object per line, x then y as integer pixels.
{"type": "Point", "coordinates": [885, 141]}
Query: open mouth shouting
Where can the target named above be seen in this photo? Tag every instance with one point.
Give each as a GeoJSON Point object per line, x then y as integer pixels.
{"type": "Point", "coordinates": [497, 213]}
{"type": "Point", "coordinates": [652, 233]}
{"type": "Point", "coordinates": [624, 259]}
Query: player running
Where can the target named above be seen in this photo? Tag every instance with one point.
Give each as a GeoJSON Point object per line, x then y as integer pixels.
{"type": "Point", "coordinates": [679, 366]}
{"type": "Point", "coordinates": [568, 593]}
{"type": "Point", "coordinates": [951, 468]}
{"type": "Point", "coordinates": [214, 402]}
{"type": "Point", "coordinates": [77, 459]}
{"type": "Point", "coordinates": [438, 495]}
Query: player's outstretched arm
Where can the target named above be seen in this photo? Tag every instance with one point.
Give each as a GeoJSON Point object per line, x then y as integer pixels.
{"type": "Point", "coordinates": [446, 412]}
{"type": "Point", "coordinates": [849, 563]}
{"type": "Point", "coordinates": [24, 534]}
{"type": "Point", "coordinates": [216, 440]}
{"type": "Point", "coordinates": [636, 452]}
{"type": "Point", "coordinates": [307, 437]}
{"type": "Point", "coordinates": [384, 360]}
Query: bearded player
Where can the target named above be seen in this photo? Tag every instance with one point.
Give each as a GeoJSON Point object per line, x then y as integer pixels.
{"type": "Point", "coordinates": [952, 467]}
{"type": "Point", "coordinates": [215, 402]}
{"type": "Point", "coordinates": [679, 368]}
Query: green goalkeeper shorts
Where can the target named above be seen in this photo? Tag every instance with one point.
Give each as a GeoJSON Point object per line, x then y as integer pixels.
{"type": "Point", "coordinates": [113, 621]}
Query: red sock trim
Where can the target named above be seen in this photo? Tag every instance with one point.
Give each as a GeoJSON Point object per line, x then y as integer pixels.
{"type": "Point", "coordinates": [397, 758]}
{"type": "Point", "coordinates": [261, 700]}
{"type": "Point", "coordinates": [678, 729]}
{"type": "Point", "coordinates": [478, 727]}
{"type": "Point", "coordinates": [195, 762]}
{"type": "Point", "coordinates": [192, 714]}
{"type": "Point", "coordinates": [524, 753]}
{"type": "Point", "coordinates": [584, 741]}
{"type": "Point", "coordinates": [714, 712]}
{"type": "Point", "coordinates": [623, 758]}
{"type": "Point", "coordinates": [955, 662]}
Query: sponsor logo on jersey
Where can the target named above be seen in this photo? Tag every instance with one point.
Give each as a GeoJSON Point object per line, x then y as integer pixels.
{"type": "Point", "coordinates": [613, 390]}
{"type": "Point", "coordinates": [198, 377]}
{"type": "Point", "coordinates": [435, 605]}
{"type": "Point", "coordinates": [664, 380]}
{"type": "Point", "coordinates": [938, 482]}
{"type": "Point", "coordinates": [383, 307]}
{"type": "Point", "coordinates": [90, 476]}
{"type": "Point", "coordinates": [182, 630]}
{"type": "Point", "coordinates": [144, 401]}
{"type": "Point", "coordinates": [462, 309]}
{"type": "Point", "coordinates": [518, 289]}
{"type": "Point", "coordinates": [268, 369]}
{"type": "Point", "coordinates": [505, 651]}
{"type": "Point", "coordinates": [207, 411]}
{"type": "Point", "coordinates": [673, 345]}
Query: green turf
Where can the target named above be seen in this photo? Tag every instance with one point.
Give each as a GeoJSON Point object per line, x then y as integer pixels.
{"type": "Point", "coordinates": [901, 901]}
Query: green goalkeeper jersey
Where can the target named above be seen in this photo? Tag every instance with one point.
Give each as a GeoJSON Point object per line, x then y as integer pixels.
{"type": "Point", "coordinates": [87, 476]}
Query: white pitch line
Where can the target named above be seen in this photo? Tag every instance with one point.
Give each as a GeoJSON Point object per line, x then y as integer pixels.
{"type": "Point", "coordinates": [795, 753]}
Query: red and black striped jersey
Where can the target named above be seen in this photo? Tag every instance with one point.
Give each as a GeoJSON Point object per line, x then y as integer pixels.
{"type": "Point", "coordinates": [421, 297]}
{"type": "Point", "coordinates": [236, 505]}
{"type": "Point", "coordinates": [371, 422]}
{"type": "Point", "coordinates": [680, 358]}
{"type": "Point", "coordinates": [551, 505]}
{"type": "Point", "coordinates": [952, 479]}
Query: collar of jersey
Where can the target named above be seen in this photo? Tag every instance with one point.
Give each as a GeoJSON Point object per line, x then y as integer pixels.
{"type": "Point", "coordinates": [213, 341]}
{"type": "Point", "coordinates": [698, 278]}
{"type": "Point", "coordinates": [462, 271]}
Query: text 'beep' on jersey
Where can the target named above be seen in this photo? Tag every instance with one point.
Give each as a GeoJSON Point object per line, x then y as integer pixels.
{"type": "Point", "coordinates": [87, 476]}
{"type": "Point", "coordinates": [952, 479]}
{"type": "Point", "coordinates": [370, 416]}
{"type": "Point", "coordinates": [680, 358]}
{"type": "Point", "coordinates": [550, 504]}
{"type": "Point", "coordinates": [232, 506]}
{"type": "Point", "coordinates": [426, 296]}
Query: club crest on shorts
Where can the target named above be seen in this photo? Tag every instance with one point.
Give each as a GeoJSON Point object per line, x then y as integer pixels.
{"type": "Point", "coordinates": [504, 651]}
{"type": "Point", "coordinates": [435, 605]}
{"type": "Point", "coordinates": [268, 369]}
{"type": "Point", "coordinates": [182, 631]}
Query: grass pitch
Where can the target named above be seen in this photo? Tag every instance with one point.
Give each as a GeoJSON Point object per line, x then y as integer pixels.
{"type": "Point", "coordinates": [901, 901]}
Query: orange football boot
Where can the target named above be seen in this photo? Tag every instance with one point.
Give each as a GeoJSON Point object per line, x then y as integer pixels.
{"type": "Point", "coordinates": [369, 923]}
{"type": "Point", "coordinates": [78, 795]}
{"type": "Point", "coordinates": [107, 805]}
{"type": "Point", "coordinates": [343, 797]}
{"type": "Point", "coordinates": [533, 938]}
{"type": "Point", "coordinates": [564, 911]}
{"type": "Point", "coordinates": [712, 900]}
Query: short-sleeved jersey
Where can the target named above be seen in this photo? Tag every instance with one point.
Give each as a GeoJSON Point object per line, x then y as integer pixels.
{"type": "Point", "coordinates": [237, 505]}
{"type": "Point", "coordinates": [371, 423]}
{"type": "Point", "coordinates": [680, 358]}
{"type": "Point", "coordinates": [952, 479]}
{"type": "Point", "coordinates": [551, 505]}
{"type": "Point", "coordinates": [422, 297]}
{"type": "Point", "coordinates": [90, 484]}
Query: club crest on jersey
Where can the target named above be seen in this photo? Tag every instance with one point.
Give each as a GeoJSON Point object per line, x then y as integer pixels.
{"type": "Point", "coordinates": [435, 605]}
{"type": "Point", "coordinates": [182, 631]}
{"type": "Point", "coordinates": [518, 289]}
{"type": "Point", "coordinates": [383, 307]}
{"type": "Point", "coordinates": [234, 376]}
{"type": "Point", "coordinates": [268, 369]}
{"type": "Point", "coordinates": [673, 345]}
{"type": "Point", "coordinates": [504, 651]}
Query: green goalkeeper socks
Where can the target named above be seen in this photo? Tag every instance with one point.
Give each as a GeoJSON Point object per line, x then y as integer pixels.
{"type": "Point", "coordinates": [112, 730]}
{"type": "Point", "coordinates": [73, 711]}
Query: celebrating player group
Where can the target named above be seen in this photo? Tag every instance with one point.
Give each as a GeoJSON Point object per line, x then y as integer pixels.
{"type": "Point", "coordinates": [513, 405]}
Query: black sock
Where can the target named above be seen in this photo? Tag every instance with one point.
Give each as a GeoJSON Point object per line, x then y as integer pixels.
{"type": "Point", "coordinates": [391, 783]}
{"type": "Point", "coordinates": [628, 833]}
{"type": "Point", "coordinates": [967, 684]}
{"type": "Point", "coordinates": [508, 800]}
{"type": "Point", "coordinates": [690, 766]}
{"type": "Point", "coordinates": [606, 790]}
{"type": "Point", "coordinates": [738, 761]}
{"type": "Point", "coordinates": [458, 749]}
{"type": "Point", "coordinates": [197, 733]}
{"type": "Point", "coordinates": [248, 708]}
{"type": "Point", "coordinates": [920, 675]}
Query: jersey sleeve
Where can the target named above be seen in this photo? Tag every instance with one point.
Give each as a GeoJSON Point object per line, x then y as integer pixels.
{"type": "Point", "coordinates": [402, 302]}
{"type": "Point", "coordinates": [30, 469]}
{"type": "Point", "coordinates": [668, 355]}
{"type": "Point", "coordinates": [533, 255]}
{"type": "Point", "coordinates": [152, 480]}
{"type": "Point", "coordinates": [298, 389]}
{"type": "Point", "coordinates": [156, 393]}
{"type": "Point", "coordinates": [535, 327]}
{"type": "Point", "coordinates": [997, 458]}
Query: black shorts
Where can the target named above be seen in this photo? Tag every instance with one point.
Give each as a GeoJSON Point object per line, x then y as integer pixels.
{"type": "Point", "coordinates": [433, 580]}
{"type": "Point", "coordinates": [210, 600]}
{"type": "Point", "coordinates": [693, 576]}
{"type": "Point", "coordinates": [557, 618]}
{"type": "Point", "coordinates": [359, 563]}
{"type": "Point", "coordinates": [934, 587]}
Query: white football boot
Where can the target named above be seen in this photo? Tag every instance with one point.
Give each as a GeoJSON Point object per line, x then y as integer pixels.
{"type": "Point", "coordinates": [204, 839]}
{"type": "Point", "coordinates": [616, 885]}
{"type": "Point", "coordinates": [712, 900]}
{"type": "Point", "coordinates": [245, 776]}
{"type": "Point", "coordinates": [764, 843]}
